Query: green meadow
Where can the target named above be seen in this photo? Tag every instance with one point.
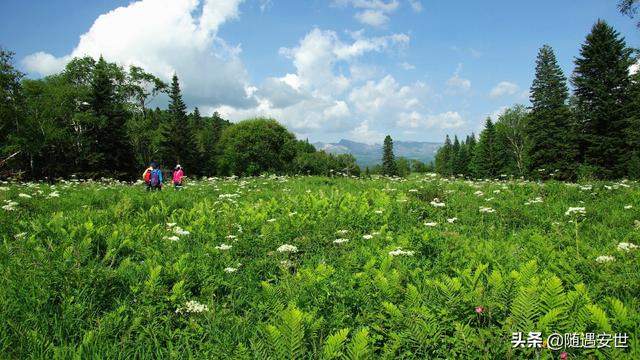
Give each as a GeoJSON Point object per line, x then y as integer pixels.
{"type": "Point", "coordinates": [317, 268]}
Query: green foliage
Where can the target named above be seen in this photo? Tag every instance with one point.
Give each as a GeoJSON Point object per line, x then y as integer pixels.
{"type": "Point", "coordinates": [94, 272]}
{"type": "Point", "coordinates": [389, 166]}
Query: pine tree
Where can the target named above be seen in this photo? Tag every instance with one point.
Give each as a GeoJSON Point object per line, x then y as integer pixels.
{"type": "Point", "coordinates": [389, 167]}
{"type": "Point", "coordinates": [485, 161]}
{"type": "Point", "coordinates": [113, 152]}
{"type": "Point", "coordinates": [550, 142]}
{"type": "Point", "coordinates": [455, 161]}
{"type": "Point", "coordinates": [632, 110]}
{"type": "Point", "coordinates": [601, 81]}
{"type": "Point", "coordinates": [443, 158]}
{"type": "Point", "coordinates": [178, 143]}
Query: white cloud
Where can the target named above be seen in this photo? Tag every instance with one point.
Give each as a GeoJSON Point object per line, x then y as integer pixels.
{"type": "Point", "coordinates": [416, 5]}
{"type": "Point", "coordinates": [633, 69]}
{"type": "Point", "coordinates": [446, 120]}
{"type": "Point", "coordinates": [504, 88]}
{"type": "Point", "coordinates": [372, 12]}
{"type": "Point", "coordinates": [405, 65]}
{"type": "Point", "coordinates": [375, 18]}
{"type": "Point", "coordinates": [363, 133]}
{"type": "Point", "coordinates": [457, 84]}
{"type": "Point", "coordinates": [163, 37]}
{"type": "Point", "coordinates": [44, 63]}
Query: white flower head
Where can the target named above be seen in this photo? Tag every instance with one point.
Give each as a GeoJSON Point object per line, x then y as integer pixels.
{"type": "Point", "coordinates": [230, 270]}
{"type": "Point", "coordinates": [287, 248]}
{"type": "Point", "coordinates": [626, 247]}
{"type": "Point", "coordinates": [172, 238]}
{"type": "Point", "coordinates": [488, 210]}
{"type": "Point", "coordinates": [223, 247]}
{"type": "Point", "coordinates": [576, 210]}
{"type": "Point", "coordinates": [628, 207]}
{"type": "Point", "coordinates": [340, 241]}
{"type": "Point", "coordinates": [431, 224]}
{"type": "Point", "coordinates": [604, 258]}
{"type": "Point", "coordinates": [452, 220]}
{"type": "Point", "coordinates": [400, 252]}
{"type": "Point", "coordinates": [23, 195]}
{"type": "Point", "coordinates": [367, 237]}
{"type": "Point", "coordinates": [192, 307]}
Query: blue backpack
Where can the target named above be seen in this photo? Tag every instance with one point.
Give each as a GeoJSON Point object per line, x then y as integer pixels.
{"type": "Point", "coordinates": [155, 177]}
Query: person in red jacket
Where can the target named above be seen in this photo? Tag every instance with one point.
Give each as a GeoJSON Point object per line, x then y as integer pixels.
{"type": "Point", "coordinates": [178, 175]}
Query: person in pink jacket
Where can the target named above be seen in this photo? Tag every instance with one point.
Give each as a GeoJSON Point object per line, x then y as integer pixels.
{"type": "Point", "coordinates": [178, 175]}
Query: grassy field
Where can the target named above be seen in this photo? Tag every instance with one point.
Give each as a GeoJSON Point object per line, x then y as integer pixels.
{"type": "Point", "coordinates": [317, 268]}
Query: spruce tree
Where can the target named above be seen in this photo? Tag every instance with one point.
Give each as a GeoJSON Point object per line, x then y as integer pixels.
{"type": "Point", "coordinates": [113, 155]}
{"type": "Point", "coordinates": [455, 163]}
{"type": "Point", "coordinates": [601, 81]}
{"type": "Point", "coordinates": [551, 143]}
{"type": "Point", "coordinates": [485, 160]}
{"type": "Point", "coordinates": [443, 158]}
{"type": "Point", "coordinates": [389, 167]}
{"type": "Point", "coordinates": [178, 145]}
{"type": "Point", "coordinates": [632, 109]}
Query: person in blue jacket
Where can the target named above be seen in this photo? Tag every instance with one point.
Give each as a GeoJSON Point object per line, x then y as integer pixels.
{"type": "Point", "coordinates": [155, 178]}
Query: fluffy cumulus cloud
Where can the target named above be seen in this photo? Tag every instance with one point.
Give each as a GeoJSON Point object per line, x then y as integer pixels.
{"type": "Point", "coordinates": [457, 84]}
{"type": "Point", "coordinates": [374, 12]}
{"type": "Point", "coordinates": [504, 88]}
{"type": "Point", "coordinates": [321, 94]}
{"type": "Point", "coordinates": [166, 37]}
{"type": "Point", "coordinates": [332, 91]}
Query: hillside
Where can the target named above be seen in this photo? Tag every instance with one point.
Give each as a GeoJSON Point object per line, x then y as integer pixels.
{"type": "Point", "coordinates": [368, 155]}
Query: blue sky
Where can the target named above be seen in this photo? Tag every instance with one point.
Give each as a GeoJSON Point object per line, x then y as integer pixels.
{"type": "Point", "coordinates": [331, 69]}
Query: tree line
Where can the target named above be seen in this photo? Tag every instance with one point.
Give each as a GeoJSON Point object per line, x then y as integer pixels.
{"type": "Point", "coordinates": [592, 133]}
{"type": "Point", "coordinates": [93, 120]}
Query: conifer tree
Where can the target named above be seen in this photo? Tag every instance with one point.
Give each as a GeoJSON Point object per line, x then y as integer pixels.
{"type": "Point", "coordinates": [443, 158]}
{"type": "Point", "coordinates": [113, 153]}
{"type": "Point", "coordinates": [389, 167]}
{"type": "Point", "coordinates": [601, 81]}
{"type": "Point", "coordinates": [178, 145]}
{"type": "Point", "coordinates": [485, 160]}
{"type": "Point", "coordinates": [455, 160]}
{"type": "Point", "coordinates": [550, 142]}
{"type": "Point", "coordinates": [632, 109]}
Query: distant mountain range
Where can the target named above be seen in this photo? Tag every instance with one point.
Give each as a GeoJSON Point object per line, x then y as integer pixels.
{"type": "Point", "coordinates": [369, 155]}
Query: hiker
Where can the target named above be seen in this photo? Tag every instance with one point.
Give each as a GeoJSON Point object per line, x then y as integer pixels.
{"type": "Point", "coordinates": [146, 176]}
{"type": "Point", "coordinates": [178, 174]}
{"type": "Point", "coordinates": [155, 178]}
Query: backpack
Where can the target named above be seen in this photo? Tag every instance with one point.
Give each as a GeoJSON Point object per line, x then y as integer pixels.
{"type": "Point", "coordinates": [147, 176]}
{"type": "Point", "coordinates": [154, 177]}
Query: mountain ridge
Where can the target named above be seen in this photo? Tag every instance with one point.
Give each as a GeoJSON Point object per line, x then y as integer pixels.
{"type": "Point", "coordinates": [371, 154]}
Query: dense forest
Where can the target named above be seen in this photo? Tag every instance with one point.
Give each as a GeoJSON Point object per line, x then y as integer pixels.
{"type": "Point", "coordinates": [93, 120]}
{"type": "Point", "coordinates": [592, 133]}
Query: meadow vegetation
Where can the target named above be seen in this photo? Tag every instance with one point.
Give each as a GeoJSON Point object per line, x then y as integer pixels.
{"type": "Point", "coordinates": [316, 267]}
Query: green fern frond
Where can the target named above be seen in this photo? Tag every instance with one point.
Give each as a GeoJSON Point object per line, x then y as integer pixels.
{"type": "Point", "coordinates": [359, 347]}
{"type": "Point", "coordinates": [332, 348]}
{"type": "Point", "coordinates": [620, 312]}
{"type": "Point", "coordinates": [599, 317]}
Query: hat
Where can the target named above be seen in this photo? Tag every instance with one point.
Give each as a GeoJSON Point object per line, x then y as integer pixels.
{"type": "Point", "coordinates": [178, 166]}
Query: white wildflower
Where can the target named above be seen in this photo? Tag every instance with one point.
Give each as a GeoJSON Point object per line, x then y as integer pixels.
{"type": "Point", "coordinates": [604, 258]}
{"type": "Point", "coordinates": [342, 232]}
{"type": "Point", "coordinates": [23, 195]}
{"type": "Point", "coordinates": [172, 238]}
{"type": "Point", "coordinates": [192, 307]}
{"type": "Point", "coordinates": [484, 209]}
{"type": "Point", "coordinates": [340, 241]}
{"type": "Point", "coordinates": [231, 237]}
{"type": "Point", "coordinates": [287, 248]}
{"type": "Point", "coordinates": [230, 270]}
{"type": "Point", "coordinates": [576, 210]}
{"type": "Point", "coordinates": [478, 193]}
{"type": "Point", "coordinates": [170, 225]}
{"type": "Point", "coordinates": [223, 247]}
{"type": "Point", "coordinates": [431, 224]}
{"type": "Point", "coordinates": [180, 231]}
{"type": "Point", "coordinates": [436, 203]}
{"type": "Point", "coordinates": [367, 237]}
{"type": "Point", "coordinates": [452, 220]}
{"type": "Point", "coordinates": [271, 220]}
{"type": "Point", "coordinates": [378, 211]}
{"type": "Point", "coordinates": [400, 252]}
{"type": "Point", "coordinates": [21, 235]}
{"type": "Point", "coordinates": [625, 246]}
{"type": "Point", "coordinates": [627, 207]}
